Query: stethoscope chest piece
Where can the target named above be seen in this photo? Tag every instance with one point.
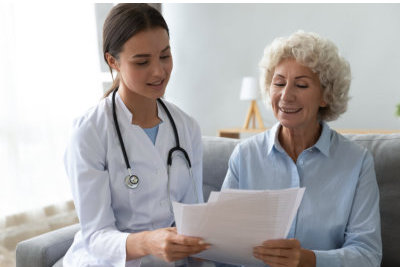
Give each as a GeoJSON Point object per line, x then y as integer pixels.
{"type": "Point", "coordinates": [132, 181]}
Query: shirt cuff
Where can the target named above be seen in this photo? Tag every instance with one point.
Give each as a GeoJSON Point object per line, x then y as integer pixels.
{"type": "Point", "coordinates": [327, 258]}
{"type": "Point", "coordinates": [120, 257]}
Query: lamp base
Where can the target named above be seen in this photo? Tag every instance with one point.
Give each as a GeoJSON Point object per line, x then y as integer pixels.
{"type": "Point", "coordinates": [252, 115]}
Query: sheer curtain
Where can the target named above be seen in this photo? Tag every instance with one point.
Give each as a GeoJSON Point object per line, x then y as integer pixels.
{"type": "Point", "coordinates": [49, 74]}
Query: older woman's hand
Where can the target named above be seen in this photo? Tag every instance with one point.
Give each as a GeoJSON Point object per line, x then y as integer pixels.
{"type": "Point", "coordinates": [284, 252]}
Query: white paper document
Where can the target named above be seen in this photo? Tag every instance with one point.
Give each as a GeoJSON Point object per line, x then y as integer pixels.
{"type": "Point", "coordinates": [235, 221]}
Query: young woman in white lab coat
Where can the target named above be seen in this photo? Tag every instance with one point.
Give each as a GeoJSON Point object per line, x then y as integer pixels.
{"type": "Point", "coordinates": [119, 224]}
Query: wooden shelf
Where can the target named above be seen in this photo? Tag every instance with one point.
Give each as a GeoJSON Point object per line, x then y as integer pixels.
{"type": "Point", "coordinates": [235, 132]}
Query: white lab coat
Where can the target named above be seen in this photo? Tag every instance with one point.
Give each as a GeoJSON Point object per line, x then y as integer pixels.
{"type": "Point", "coordinates": [107, 209]}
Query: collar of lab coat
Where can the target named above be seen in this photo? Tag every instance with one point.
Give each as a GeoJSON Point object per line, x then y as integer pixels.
{"type": "Point", "coordinates": [127, 115]}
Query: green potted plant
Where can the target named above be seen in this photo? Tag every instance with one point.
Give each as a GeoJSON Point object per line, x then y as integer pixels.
{"type": "Point", "coordinates": [398, 110]}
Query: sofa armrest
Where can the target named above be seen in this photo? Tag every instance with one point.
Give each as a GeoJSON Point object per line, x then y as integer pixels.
{"type": "Point", "coordinates": [46, 249]}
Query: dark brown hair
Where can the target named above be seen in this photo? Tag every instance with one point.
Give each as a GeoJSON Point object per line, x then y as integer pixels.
{"type": "Point", "coordinates": [123, 22]}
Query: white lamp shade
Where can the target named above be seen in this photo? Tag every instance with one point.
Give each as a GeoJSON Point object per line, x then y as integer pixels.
{"type": "Point", "coordinates": [249, 90]}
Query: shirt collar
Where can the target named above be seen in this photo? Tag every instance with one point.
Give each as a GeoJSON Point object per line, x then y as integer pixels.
{"type": "Point", "coordinates": [121, 105]}
{"type": "Point", "coordinates": [127, 113]}
{"type": "Point", "coordinates": [323, 143]}
{"type": "Point", "coordinates": [161, 113]}
{"type": "Point", "coordinates": [273, 141]}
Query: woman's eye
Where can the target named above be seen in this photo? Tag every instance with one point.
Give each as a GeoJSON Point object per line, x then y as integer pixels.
{"type": "Point", "coordinates": [302, 86]}
{"type": "Point", "coordinates": [141, 63]}
{"type": "Point", "coordinates": [165, 57]}
{"type": "Point", "coordinates": [279, 84]}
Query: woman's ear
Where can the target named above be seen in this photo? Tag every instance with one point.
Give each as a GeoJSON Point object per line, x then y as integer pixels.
{"type": "Point", "coordinates": [323, 104]}
{"type": "Point", "coordinates": [112, 62]}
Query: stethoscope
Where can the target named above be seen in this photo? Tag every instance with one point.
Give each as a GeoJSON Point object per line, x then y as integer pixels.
{"type": "Point", "coordinates": [132, 181]}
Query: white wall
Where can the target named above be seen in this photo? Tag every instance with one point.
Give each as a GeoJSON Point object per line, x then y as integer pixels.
{"type": "Point", "coordinates": [215, 45]}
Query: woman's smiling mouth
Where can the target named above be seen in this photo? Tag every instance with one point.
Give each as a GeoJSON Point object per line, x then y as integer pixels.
{"type": "Point", "coordinates": [156, 83]}
{"type": "Point", "coordinates": [289, 110]}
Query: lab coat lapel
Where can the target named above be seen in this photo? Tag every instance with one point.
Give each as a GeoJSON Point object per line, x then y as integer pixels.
{"type": "Point", "coordinates": [165, 138]}
{"type": "Point", "coordinates": [155, 152]}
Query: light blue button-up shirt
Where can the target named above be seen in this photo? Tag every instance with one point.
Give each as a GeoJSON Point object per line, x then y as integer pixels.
{"type": "Point", "coordinates": [339, 215]}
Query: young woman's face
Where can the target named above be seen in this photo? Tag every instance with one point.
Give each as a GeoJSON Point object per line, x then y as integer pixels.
{"type": "Point", "coordinates": [296, 95]}
{"type": "Point", "coordinates": [145, 63]}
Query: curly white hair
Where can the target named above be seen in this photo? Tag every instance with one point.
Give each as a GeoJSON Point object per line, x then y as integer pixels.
{"type": "Point", "coordinates": [322, 57]}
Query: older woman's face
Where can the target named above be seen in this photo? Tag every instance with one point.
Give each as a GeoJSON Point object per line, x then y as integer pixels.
{"type": "Point", "coordinates": [296, 95]}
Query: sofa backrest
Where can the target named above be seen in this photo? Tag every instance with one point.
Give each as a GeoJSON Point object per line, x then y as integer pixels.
{"type": "Point", "coordinates": [216, 153]}
{"type": "Point", "coordinates": [385, 149]}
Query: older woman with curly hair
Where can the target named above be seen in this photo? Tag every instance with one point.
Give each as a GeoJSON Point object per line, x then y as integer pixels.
{"type": "Point", "coordinates": [338, 221]}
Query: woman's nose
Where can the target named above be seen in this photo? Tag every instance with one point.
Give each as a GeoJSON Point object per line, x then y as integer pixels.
{"type": "Point", "coordinates": [288, 93]}
{"type": "Point", "coordinates": [157, 69]}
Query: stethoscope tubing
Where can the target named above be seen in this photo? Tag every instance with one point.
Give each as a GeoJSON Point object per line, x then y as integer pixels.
{"type": "Point", "coordinates": [177, 145]}
{"type": "Point", "coordinates": [121, 141]}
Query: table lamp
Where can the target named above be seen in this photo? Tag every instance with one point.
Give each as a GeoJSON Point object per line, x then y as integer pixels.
{"type": "Point", "coordinates": [250, 91]}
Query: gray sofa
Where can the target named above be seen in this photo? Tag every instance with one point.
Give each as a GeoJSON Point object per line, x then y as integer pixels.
{"type": "Point", "coordinates": [47, 249]}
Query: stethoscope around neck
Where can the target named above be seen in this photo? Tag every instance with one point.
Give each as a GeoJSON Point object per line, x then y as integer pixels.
{"type": "Point", "coordinates": [132, 181]}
